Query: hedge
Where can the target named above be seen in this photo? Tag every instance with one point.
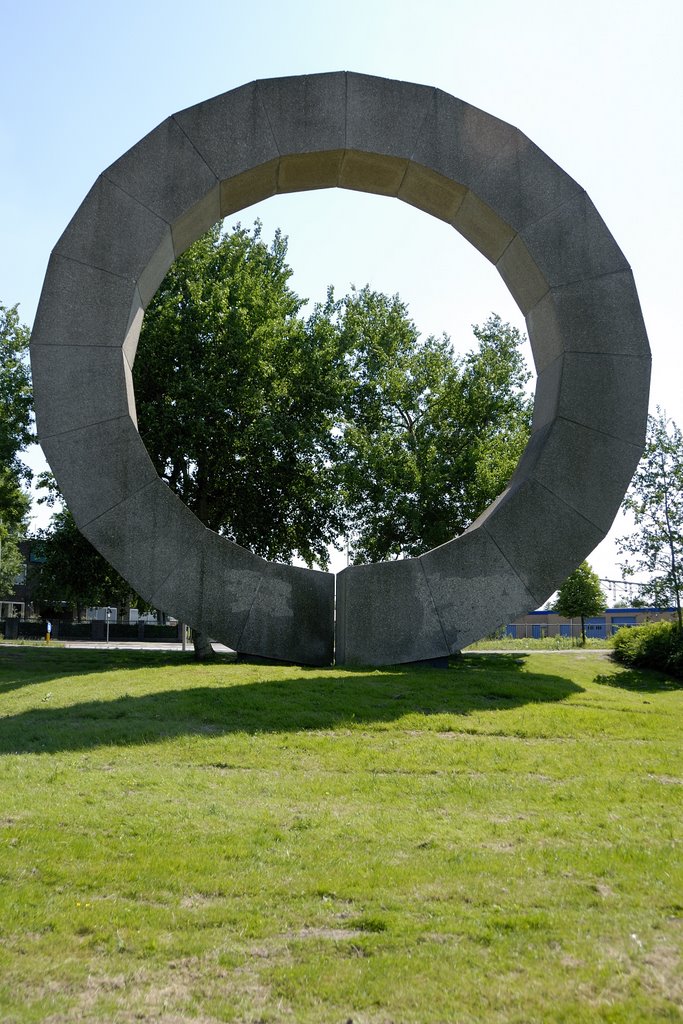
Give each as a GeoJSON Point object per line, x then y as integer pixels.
{"type": "Point", "coordinates": [653, 645]}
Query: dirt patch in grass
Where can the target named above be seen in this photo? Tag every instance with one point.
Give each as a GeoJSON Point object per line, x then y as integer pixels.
{"type": "Point", "coordinates": [197, 900]}
{"type": "Point", "coordinates": [331, 934]}
{"type": "Point", "coordinates": [167, 996]}
{"type": "Point", "coordinates": [664, 975]}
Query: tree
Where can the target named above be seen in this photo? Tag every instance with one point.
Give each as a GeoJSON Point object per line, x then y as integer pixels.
{"type": "Point", "coordinates": [15, 391]}
{"type": "Point", "coordinates": [655, 499]}
{"type": "Point", "coordinates": [581, 595]}
{"type": "Point", "coordinates": [15, 435]}
{"type": "Point", "coordinates": [283, 433]}
{"type": "Point", "coordinates": [429, 438]}
{"type": "Point", "coordinates": [238, 395]}
{"type": "Point", "coordinates": [14, 506]}
{"type": "Point", "coordinates": [11, 561]}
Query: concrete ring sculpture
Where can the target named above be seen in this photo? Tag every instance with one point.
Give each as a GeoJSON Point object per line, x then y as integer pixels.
{"type": "Point", "coordinates": [455, 162]}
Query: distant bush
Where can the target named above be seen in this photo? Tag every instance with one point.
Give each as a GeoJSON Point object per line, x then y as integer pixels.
{"type": "Point", "coordinates": [653, 645]}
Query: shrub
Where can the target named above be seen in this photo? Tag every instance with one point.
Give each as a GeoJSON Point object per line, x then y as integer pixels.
{"type": "Point", "coordinates": [653, 645]}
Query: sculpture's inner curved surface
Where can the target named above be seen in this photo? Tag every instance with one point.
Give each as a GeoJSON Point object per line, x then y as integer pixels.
{"type": "Point", "coordinates": [455, 162]}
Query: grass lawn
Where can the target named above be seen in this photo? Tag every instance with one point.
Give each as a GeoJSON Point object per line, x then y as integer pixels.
{"type": "Point", "coordinates": [546, 643]}
{"type": "Point", "coordinates": [498, 842]}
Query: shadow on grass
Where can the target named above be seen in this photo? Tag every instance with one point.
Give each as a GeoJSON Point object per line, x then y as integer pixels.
{"type": "Point", "coordinates": [640, 680]}
{"type": "Point", "coordinates": [306, 700]}
{"type": "Point", "coordinates": [25, 665]}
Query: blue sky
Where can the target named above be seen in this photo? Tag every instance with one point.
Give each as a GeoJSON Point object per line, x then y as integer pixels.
{"type": "Point", "coordinates": [597, 85]}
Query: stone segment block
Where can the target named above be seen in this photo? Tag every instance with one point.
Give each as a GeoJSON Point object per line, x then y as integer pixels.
{"type": "Point", "coordinates": [522, 184]}
{"type": "Point", "coordinates": [341, 619]}
{"type": "Point", "coordinates": [385, 116]}
{"type": "Point", "coordinates": [541, 536]}
{"type": "Point", "coordinates": [77, 386]}
{"type": "Point", "coordinates": [175, 563]}
{"type": "Point", "coordinates": [130, 341]}
{"type": "Point", "coordinates": [81, 305]}
{"type": "Point", "coordinates": [572, 244]}
{"type": "Point", "coordinates": [254, 606]}
{"type": "Point", "coordinates": [601, 315]}
{"type": "Point", "coordinates": [482, 226]}
{"type": "Point", "coordinates": [156, 270]}
{"type": "Point", "coordinates": [164, 172]}
{"type": "Point", "coordinates": [146, 537]}
{"type": "Point", "coordinates": [523, 278]}
{"type": "Point", "coordinates": [474, 588]}
{"type": "Point", "coordinates": [431, 192]}
{"type": "Point", "coordinates": [232, 131]}
{"type": "Point", "coordinates": [306, 113]}
{"type": "Point", "coordinates": [291, 617]}
{"type": "Point", "coordinates": [114, 232]}
{"type": "Point", "coordinates": [608, 393]}
{"type": "Point", "coordinates": [386, 615]}
{"type": "Point", "coordinates": [586, 469]}
{"type": "Point", "coordinates": [99, 466]}
{"type": "Point", "coordinates": [198, 219]}
{"type": "Point", "coordinates": [457, 140]}
{"type": "Point", "coordinates": [130, 391]}
{"type": "Point", "coordinates": [213, 586]}
{"type": "Point", "coordinates": [251, 187]}
{"type": "Point", "coordinates": [368, 172]}
{"type": "Point", "coordinates": [305, 171]}
{"type": "Point", "coordinates": [547, 396]}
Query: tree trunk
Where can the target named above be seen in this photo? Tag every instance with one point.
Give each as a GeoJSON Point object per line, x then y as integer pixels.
{"type": "Point", "coordinates": [203, 650]}
{"type": "Point", "coordinates": [583, 632]}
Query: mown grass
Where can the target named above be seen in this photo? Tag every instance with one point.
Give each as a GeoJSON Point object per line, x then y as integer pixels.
{"type": "Point", "coordinates": [498, 842]}
{"type": "Point", "coordinates": [544, 643]}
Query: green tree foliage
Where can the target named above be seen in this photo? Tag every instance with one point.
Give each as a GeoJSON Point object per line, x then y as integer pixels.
{"type": "Point", "coordinates": [15, 391]}
{"type": "Point", "coordinates": [284, 433]}
{"type": "Point", "coordinates": [581, 596]}
{"type": "Point", "coordinates": [237, 397]}
{"type": "Point", "coordinates": [429, 438]}
{"type": "Point", "coordinates": [15, 435]}
{"type": "Point", "coordinates": [14, 507]}
{"type": "Point", "coordinates": [655, 499]}
{"type": "Point", "coordinates": [73, 573]}
{"type": "Point", "coordinates": [11, 560]}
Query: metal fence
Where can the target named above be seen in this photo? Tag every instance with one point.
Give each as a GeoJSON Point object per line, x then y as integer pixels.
{"type": "Point", "coordinates": [96, 629]}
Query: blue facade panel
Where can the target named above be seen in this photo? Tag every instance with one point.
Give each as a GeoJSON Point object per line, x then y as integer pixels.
{"type": "Point", "coordinates": [619, 621]}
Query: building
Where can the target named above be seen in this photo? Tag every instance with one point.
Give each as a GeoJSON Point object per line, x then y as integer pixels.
{"type": "Point", "coordinates": [539, 624]}
{"type": "Point", "coordinates": [19, 604]}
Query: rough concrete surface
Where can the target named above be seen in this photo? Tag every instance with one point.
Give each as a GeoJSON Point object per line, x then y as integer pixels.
{"type": "Point", "coordinates": [455, 162]}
